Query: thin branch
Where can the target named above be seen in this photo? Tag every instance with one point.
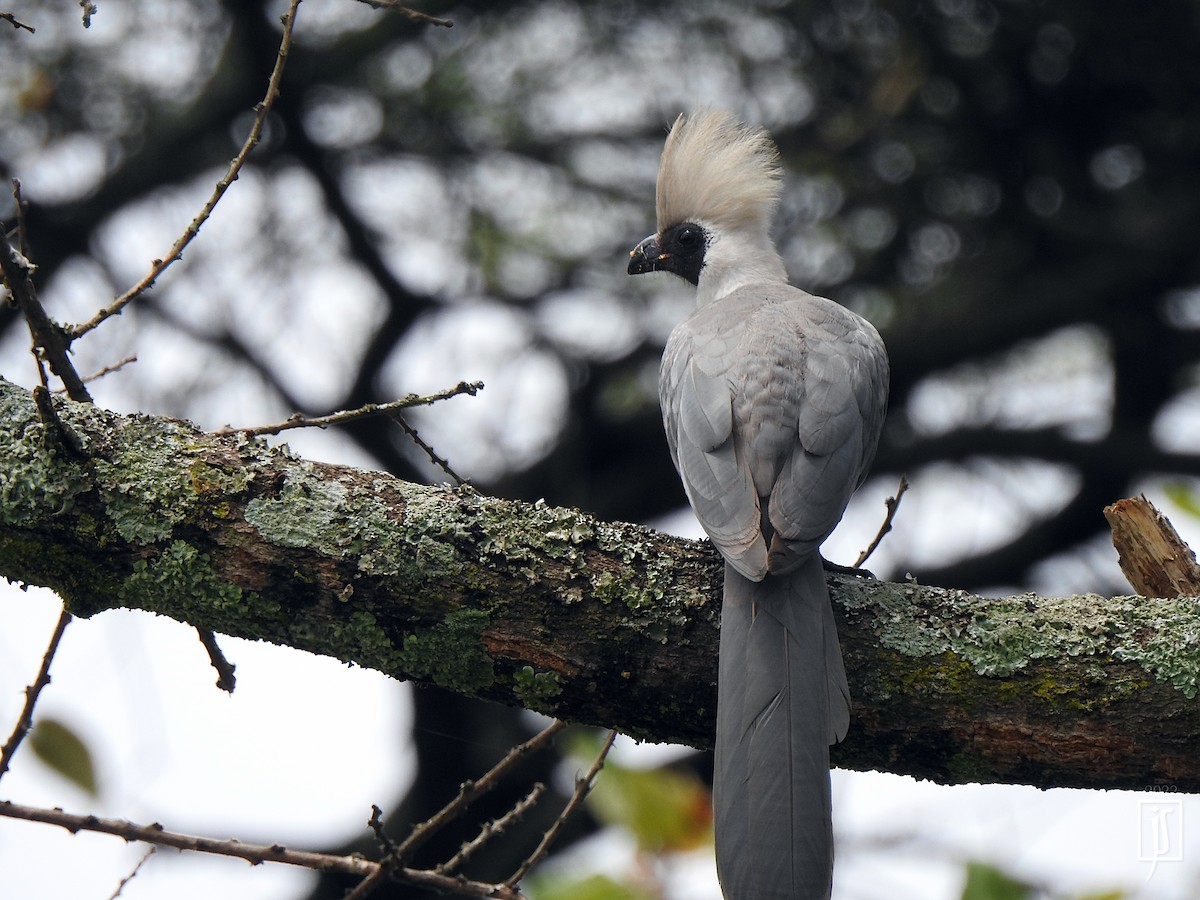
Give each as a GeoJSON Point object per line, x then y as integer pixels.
{"type": "Point", "coordinates": [25, 720]}
{"type": "Point", "coordinates": [468, 792]}
{"type": "Point", "coordinates": [108, 370]}
{"type": "Point", "coordinates": [253, 853]}
{"type": "Point", "coordinates": [298, 420]}
{"type": "Point", "coordinates": [132, 875]}
{"type": "Point", "coordinates": [89, 10]}
{"type": "Point", "coordinates": [156, 834]}
{"type": "Point", "coordinates": [438, 461]}
{"type": "Point", "coordinates": [226, 680]}
{"type": "Point", "coordinates": [582, 787]}
{"type": "Point", "coordinates": [491, 829]}
{"type": "Point", "coordinates": [892, 504]}
{"type": "Point", "coordinates": [396, 6]}
{"type": "Point", "coordinates": [12, 20]}
{"type": "Point", "coordinates": [261, 110]}
{"type": "Point", "coordinates": [51, 339]}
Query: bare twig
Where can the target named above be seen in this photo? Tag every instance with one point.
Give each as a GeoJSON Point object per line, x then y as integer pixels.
{"type": "Point", "coordinates": [21, 207]}
{"type": "Point", "coordinates": [491, 829]}
{"type": "Point", "coordinates": [349, 415]}
{"type": "Point", "coordinates": [892, 504]}
{"type": "Point", "coordinates": [396, 6]}
{"type": "Point", "coordinates": [261, 110]}
{"type": "Point", "coordinates": [25, 720]}
{"type": "Point", "coordinates": [438, 461]}
{"type": "Point", "coordinates": [376, 825]}
{"type": "Point", "coordinates": [254, 853]}
{"type": "Point", "coordinates": [225, 677]}
{"type": "Point", "coordinates": [132, 875]}
{"type": "Point", "coordinates": [12, 20]}
{"type": "Point", "coordinates": [51, 340]}
{"type": "Point", "coordinates": [108, 370]}
{"type": "Point", "coordinates": [468, 792]}
{"type": "Point", "coordinates": [156, 834]}
{"type": "Point", "coordinates": [582, 787]}
{"type": "Point", "coordinates": [89, 10]}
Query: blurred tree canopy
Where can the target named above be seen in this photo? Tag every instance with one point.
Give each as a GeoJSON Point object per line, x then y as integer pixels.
{"type": "Point", "coordinates": [1009, 189]}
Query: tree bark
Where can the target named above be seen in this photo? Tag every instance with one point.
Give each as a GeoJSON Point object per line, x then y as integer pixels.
{"type": "Point", "coordinates": [599, 622]}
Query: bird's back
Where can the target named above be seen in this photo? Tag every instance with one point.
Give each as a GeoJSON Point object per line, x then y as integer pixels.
{"type": "Point", "coordinates": [791, 389]}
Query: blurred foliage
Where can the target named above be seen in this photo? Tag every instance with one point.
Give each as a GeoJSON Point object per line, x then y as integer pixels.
{"type": "Point", "coordinates": [58, 746]}
{"type": "Point", "coordinates": [986, 882]}
{"type": "Point", "coordinates": [587, 887]}
{"type": "Point", "coordinates": [664, 809]}
{"type": "Point", "coordinates": [1010, 189]}
{"type": "Point", "coordinates": [1184, 495]}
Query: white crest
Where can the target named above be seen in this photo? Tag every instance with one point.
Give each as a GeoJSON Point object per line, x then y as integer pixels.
{"type": "Point", "coordinates": [715, 169]}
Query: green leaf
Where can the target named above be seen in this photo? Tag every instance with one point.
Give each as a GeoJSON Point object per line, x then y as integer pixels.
{"type": "Point", "coordinates": [56, 745]}
{"type": "Point", "coordinates": [986, 882]}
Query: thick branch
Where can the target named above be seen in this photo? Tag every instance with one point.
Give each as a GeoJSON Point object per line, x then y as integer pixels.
{"type": "Point", "coordinates": [606, 623]}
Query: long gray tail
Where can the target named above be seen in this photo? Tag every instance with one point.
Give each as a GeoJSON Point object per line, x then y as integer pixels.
{"type": "Point", "coordinates": [782, 699]}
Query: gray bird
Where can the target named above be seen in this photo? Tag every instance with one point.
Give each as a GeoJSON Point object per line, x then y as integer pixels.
{"type": "Point", "coordinates": [772, 400]}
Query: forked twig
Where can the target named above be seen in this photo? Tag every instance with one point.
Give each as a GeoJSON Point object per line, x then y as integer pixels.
{"type": "Point", "coordinates": [297, 420]}
{"type": "Point", "coordinates": [158, 266]}
{"type": "Point", "coordinates": [491, 829]}
{"type": "Point", "coordinates": [353, 864]}
{"type": "Point", "coordinates": [892, 504]}
{"type": "Point", "coordinates": [468, 792]}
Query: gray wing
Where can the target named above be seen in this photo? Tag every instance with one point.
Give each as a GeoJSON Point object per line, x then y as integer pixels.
{"type": "Point", "coordinates": [844, 384]}
{"type": "Point", "coordinates": [696, 399]}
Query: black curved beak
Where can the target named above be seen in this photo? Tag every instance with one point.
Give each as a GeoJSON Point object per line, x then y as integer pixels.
{"type": "Point", "coordinates": [647, 257]}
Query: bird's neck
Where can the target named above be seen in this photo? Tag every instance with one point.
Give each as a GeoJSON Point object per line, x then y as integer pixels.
{"type": "Point", "coordinates": [734, 262]}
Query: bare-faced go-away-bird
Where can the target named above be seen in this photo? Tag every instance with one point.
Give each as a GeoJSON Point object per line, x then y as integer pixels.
{"type": "Point", "coordinates": [773, 401]}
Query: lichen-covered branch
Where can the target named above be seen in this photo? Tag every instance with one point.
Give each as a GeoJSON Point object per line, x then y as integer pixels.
{"type": "Point", "coordinates": [607, 623]}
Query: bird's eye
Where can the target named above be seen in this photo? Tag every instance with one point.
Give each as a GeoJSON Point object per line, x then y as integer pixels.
{"type": "Point", "coordinates": [686, 237]}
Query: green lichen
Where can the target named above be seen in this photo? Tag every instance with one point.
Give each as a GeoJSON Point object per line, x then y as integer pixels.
{"type": "Point", "coordinates": [450, 654]}
{"type": "Point", "coordinates": [535, 688]}
{"type": "Point", "coordinates": [997, 637]}
{"type": "Point", "coordinates": [145, 489]}
{"type": "Point", "coordinates": [35, 478]}
{"type": "Point", "coordinates": [303, 515]}
{"type": "Point", "coordinates": [180, 582]}
{"type": "Point", "coordinates": [341, 519]}
{"type": "Point", "coordinates": [559, 530]}
{"type": "Point", "coordinates": [1003, 637]}
{"type": "Point", "coordinates": [1163, 637]}
{"type": "Point", "coordinates": [359, 638]}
